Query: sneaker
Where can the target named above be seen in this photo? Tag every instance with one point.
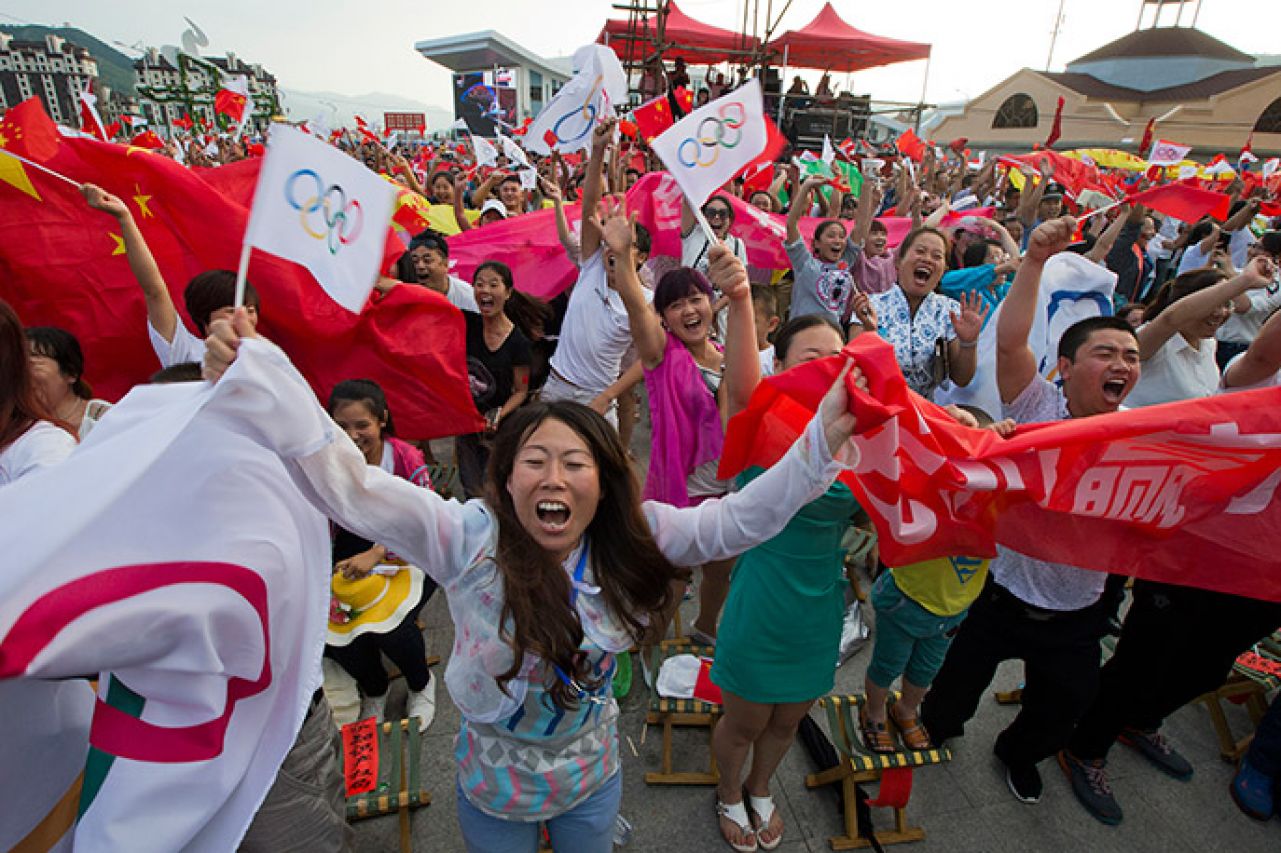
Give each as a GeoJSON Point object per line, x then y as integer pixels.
{"type": "Point", "coordinates": [1156, 748]}
{"type": "Point", "coordinates": [1090, 784]}
{"type": "Point", "coordinates": [1251, 790]}
{"type": "Point", "coordinates": [422, 704]}
{"type": "Point", "coordinates": [372, 706]}
{"type": "Point", "coordinates": [1025, 782]}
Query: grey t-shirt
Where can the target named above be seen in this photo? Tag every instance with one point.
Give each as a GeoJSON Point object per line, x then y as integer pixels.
{"type": "Point", "coordinates": [1052, 586]}
{"type": "Point", "coordinates": [818, 287]}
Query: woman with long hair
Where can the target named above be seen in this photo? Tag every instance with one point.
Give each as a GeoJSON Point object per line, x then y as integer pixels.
{"type": "Point", "coordinates": [1176, 341]}
{"type": "Point", "coordinates": [30, 436]}
{"type": "Point", "coordinates": [560, 568]}
{"type": "Point", "coordinates": [57, 366]}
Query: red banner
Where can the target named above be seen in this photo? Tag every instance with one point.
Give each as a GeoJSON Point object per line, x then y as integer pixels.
{"type": "Point", "coordinates": [360, 756]}
{"type": "Point", "coordinates": [1182, 493]}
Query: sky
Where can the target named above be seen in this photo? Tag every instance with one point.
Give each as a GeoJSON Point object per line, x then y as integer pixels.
{"type": "Point", "coordinates": [340, 46]}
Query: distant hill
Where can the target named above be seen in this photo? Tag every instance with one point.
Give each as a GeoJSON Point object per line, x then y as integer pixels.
{"type": "Point", "coordinates": [114, 67]}
{"type": "Point", "coordinates": [339, 110]}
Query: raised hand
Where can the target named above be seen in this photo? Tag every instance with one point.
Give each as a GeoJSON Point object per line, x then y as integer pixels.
{"type": "Point", "coordinates": [727, 273]}
{"type": "Point", "coordinates": [1050, 238]}
{"type": "Point", "coordinates": [864, 312]}
{"type": "Point", "coordinates": [224, 341]}
{"type": "Point", "coordinates": [100, 199]}
{"type": "Point", "coordinates": [968, 323]}
{"type": "Point", "coordinates": [611, 222]}
{"type": "Point", "coordinates": [604, 133]}
{"type": "Point", "coordinates": [1260, 271]}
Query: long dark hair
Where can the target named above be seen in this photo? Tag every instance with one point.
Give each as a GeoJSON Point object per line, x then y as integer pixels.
{"type": "Point", "coordinates": [634, 576]}
{"type": "Point", "coordinates": [527, 313]}
{"type": "Point", "coordinates": [365, 391]}
{"type": "Point", "coordinates": [20, 405]}
{"type": "Point", "coordinates": [1184, 285]}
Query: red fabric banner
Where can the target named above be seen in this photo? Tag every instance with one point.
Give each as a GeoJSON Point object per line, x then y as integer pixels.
{"type": "Point", "coordinates": [360, 756]}
{"type": "Point", "coordinates": [27, 131]}
{"type": "Point", "coordinates": [63, 264]}
{"type": "Point", "coordinates": [1182, 493]}
{"type": "Point", "coordinates": [1185, 202]}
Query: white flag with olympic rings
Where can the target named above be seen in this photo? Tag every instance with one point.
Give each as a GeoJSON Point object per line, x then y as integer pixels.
{"type": "Point", "coordinates": [710, 145]}
{"type": "Point", "coordinates": [323, 210]}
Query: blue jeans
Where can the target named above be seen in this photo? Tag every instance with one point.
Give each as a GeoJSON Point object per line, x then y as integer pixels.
{"type": "Point", "coordinates": [586, 828]}
{"type": "Point", "coordinates": [910, 640]}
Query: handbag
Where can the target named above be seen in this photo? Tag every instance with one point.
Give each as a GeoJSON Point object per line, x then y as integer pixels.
{"type": "Point", "coordinates": [941, 362]}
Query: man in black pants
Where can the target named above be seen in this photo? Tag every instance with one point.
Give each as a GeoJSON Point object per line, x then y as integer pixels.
{"type": "Point", "coordinates": [1177, 643]}
{"type": "Point", "coordinates": [1049, 615]}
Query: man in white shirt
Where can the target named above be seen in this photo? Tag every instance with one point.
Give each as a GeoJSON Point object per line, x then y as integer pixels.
{"type": "Point", "coordinates": [595, 333]}
{"type": "Point", "coordinates": [428, 261]}
{"type": "Point", "coordinates": [208, 296]}
{"type": "Point", "coordinates": [1250, 310]}
{"type": "Point", "coordinates": [1049, 615]}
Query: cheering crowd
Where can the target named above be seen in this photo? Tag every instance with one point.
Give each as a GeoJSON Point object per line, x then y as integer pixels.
{"type": "Point", "coordinates": [561, 560]}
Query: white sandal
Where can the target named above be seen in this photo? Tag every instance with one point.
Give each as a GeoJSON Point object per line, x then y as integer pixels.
{"type": "Point", "coordinates": [762, 808]}
{"type": "Point", "coordinates": [737, 813]}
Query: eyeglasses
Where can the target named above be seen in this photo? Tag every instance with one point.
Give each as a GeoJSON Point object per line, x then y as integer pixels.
{"type": "Point", "coordinates": [717, 213]}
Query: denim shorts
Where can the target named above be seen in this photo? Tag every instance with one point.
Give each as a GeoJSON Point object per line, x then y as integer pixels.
{"type": "Point", "coordinates": [910, 640]}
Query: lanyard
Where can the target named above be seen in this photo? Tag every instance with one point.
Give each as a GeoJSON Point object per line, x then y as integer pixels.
{"type": "Point", "coordinates": [575, 585]}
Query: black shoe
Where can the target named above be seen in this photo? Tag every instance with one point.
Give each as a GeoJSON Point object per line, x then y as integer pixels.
{"type": "Point", "coordinates": [1155, 748]}
{"type": "Point", "coordinates": [1024, 782]}
{"type": "Point", "coordinates": [1090, 784]}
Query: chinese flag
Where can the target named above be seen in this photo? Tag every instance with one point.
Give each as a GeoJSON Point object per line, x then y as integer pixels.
{"type": "Point", "coordinates": [147, 139]}
{"type": "Point", "coordinates": [412, 342]}
{"type": "Point", "coordinates": [911, 145]}
{"type": "Point", "coordinates": [27, 131]}
{"type": "Point", "coordinates": [1185, 202]}
{"type": "Point", "coordinates": [184, 122]}
{"type": "Point", "coordinates": [232, 98]}
{"type": "Point", "coordinates": [653, 117]}
{"type": "Point", "coordinates": [1056, 129]}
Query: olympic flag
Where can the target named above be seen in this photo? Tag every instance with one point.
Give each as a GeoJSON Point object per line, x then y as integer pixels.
{"type": "Point", "coordinates": [710, 145]}
{"type": "Point", "coordinates": [323, 210]}
{"type": "Point", "coordinates": [566, 123]}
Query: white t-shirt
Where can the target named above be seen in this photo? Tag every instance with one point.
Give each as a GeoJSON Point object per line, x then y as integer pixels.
{"type": "Point", "coordinates": [1177, 371]}
{"type": "Point", "coordinates": [1051, 586]}
{"type": "Point", "coordinates": [595, 332]}
{"type": "Point", "coordinates": [183, 348]}
{"type": "Point", "coordinates": [695, 247]}
{"type": "Point", "coordinates": [39, 447]}
{"type": "Point", "coordinates": [1193, 259]}
{"type": "Point", "coordinates": [767, 361]}
{"type": "Point", "coordinates": [1244, 328]}
{"type": "Point", "coordinates": [461, 295]}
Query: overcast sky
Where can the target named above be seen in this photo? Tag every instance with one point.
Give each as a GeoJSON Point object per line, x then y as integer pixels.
{"type": "Point", "coordinates": [347, 47]}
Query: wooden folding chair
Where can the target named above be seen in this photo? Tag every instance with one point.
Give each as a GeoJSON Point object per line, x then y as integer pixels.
{"type": "Point", "coordinates": [444, 481]}
{"type": "Point", "coordinates": [670, 713]}
{"type": "Point", "coordinates": [399, 777]}
{"type": "Point", "coordinates": [858, 765]}
{"type": "Point", "coordinates": [1249, 683]}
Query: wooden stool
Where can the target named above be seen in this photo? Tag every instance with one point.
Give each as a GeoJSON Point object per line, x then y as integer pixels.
{"type": "Point", "coordinates": [681, 712]}
{"type": "Point", "coordinates": [859, 765]}
{"type": "Point", "coordinates": [398, 789]}
{"type": "Point", "coordinates": [1250, 681]}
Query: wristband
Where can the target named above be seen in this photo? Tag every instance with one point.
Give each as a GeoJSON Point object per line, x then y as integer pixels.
{"type": "Point", "coordinates": [967, 344]}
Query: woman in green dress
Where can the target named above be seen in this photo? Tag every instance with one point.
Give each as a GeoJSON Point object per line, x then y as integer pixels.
{"type": "Point", "coordinates": [777, 644]}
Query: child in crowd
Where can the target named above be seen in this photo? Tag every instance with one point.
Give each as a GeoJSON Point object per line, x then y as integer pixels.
{"type": "Point", "coordinates": [918, 609]}
{"type": "Point", "coordinates": [765, 311]}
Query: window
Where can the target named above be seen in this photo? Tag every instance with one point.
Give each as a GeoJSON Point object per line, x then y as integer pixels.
{"type": "Point", "coordinates": [1270, 119]}
{"type": "Point", "coordinates": [1019, 110]}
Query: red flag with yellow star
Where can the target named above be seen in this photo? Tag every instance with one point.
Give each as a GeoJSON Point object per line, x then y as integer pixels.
{"type": "Point", "coordinates": [27, 131]}
{"type": "Point", "coordinates": [63, 264]}
{"type": "Point", "coordinates": [653, 117]}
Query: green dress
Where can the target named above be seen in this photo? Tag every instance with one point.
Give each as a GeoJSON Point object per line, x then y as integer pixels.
{"type": "Point", "coordinates": [781, 629]}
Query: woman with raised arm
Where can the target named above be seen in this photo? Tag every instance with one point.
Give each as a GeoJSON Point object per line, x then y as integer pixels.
{"type": "Point", "coordinates": [557, 570]}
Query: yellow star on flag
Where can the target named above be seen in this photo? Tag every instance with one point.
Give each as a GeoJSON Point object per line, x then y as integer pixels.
{"type": "Point", "coordinates": [13, 173]}
{"type": "Point", "coordinates": [120, 244]}
{"type": "Point", "coordinates": [142, 200]}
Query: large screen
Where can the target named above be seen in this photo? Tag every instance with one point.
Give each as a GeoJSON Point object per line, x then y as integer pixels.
{"type": "Point", "coordinates": [486, 100]}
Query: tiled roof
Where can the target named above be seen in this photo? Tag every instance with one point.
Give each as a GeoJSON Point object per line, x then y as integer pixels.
{"type": "Point", "coordinates": [1165, 41]}
{"type": "Point", "coordinates": [1215, 84]}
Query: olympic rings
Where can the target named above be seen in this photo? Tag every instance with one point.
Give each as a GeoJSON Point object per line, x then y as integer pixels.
{"type": "Point", "coordinates": [587, 112]}
{"type": "Point", "coordinates": [342, 219]}
{"type": "Point", "coordinates": [723, 130]}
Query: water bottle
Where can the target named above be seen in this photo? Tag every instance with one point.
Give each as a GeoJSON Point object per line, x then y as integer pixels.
{"type": "Point", "coordinates": [622, 831]}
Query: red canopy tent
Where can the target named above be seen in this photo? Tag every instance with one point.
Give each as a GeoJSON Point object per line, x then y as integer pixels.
{"type": "Point", "coordinates": [691, 40]}
{"type": "Point", "coordinates": [829, 43]}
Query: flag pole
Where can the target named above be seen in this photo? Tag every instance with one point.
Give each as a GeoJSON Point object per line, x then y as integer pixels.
{"type": "Point", "coordinates": [1099, 210]}
{"type": "Point", "coordinates": [242, 272]}
{"type": "Point", "coordinates": [44, 169]}
{"type": "Point", "coordinates": [704, 224]}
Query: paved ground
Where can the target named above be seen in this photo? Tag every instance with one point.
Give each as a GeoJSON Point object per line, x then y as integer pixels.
{"type": "Point", "coordinates": [963, 806]}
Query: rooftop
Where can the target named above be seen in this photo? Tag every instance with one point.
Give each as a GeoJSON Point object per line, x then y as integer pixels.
{"type": "Point", "coordinates": [1215, 84]}
{"type": "Point", "coordinates": [482, 51]}
{"type": "Point", "coordinates": [1165, 41]}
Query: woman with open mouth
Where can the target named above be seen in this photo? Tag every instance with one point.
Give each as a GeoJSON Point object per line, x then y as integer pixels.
{"type": "Point", "coordinates": [687, 377]}
{"type": "Point", "coordinates": [935, 338]}
{"type": "Point", "coordinates": [1177, 347]}
{"type": "Point", "coordinates": [557, 570]}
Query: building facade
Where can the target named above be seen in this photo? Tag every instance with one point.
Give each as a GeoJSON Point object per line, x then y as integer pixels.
{"type": "Point", "coordinates": [170, 87]}
{"type": "Point", "coordinates": [53, 69]}
{"type": "Point", "coordinates": [1200, 92]}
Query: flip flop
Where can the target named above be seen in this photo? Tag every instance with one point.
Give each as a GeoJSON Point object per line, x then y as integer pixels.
{"type": "Point", "coordinates": [737, 813]}
{"type": "Point", "coordinates": [761, 810]}
{"type": "Point", "coordinates": [876, 736]}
